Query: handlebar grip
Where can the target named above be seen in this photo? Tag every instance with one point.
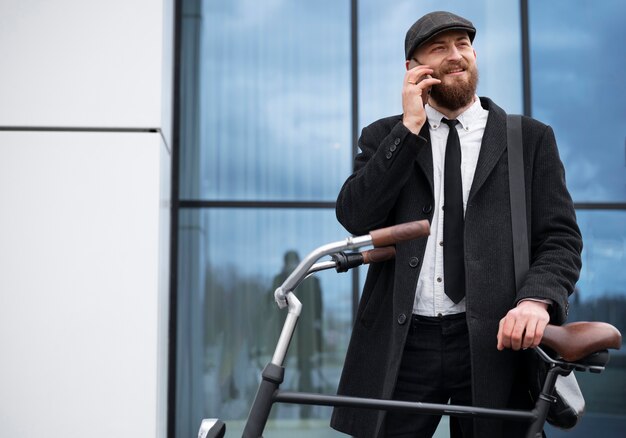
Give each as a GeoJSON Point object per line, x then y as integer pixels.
{"type": "Point", "coordinates": [378, 255]}
{"type": "Point", "coordinates": [399, 233]}
{"type": "Point", "coordinates": [346, 261]}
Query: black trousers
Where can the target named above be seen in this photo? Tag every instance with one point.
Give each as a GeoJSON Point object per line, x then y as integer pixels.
{"type": "Point", "coordinates": [435, 368]}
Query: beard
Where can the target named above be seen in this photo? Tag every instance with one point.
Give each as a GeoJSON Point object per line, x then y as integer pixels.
{"type": "Point", "coordinates": [458, 93]}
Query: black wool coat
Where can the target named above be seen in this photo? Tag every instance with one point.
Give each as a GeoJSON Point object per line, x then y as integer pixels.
{"type": "Point", "coordinates": [392, 184]}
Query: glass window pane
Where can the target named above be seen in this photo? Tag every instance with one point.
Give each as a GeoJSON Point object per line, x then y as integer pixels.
{"type": "Point", "coordinates": [577, 61]}
{"type": "Point", "coordinates": [601, 296]}
{"type": "Point", "coordinates": [381, 51]}
{"type": "Point", "coordinates": [265, 95]}
{"type": "Point", "coordinates": [230, 262]}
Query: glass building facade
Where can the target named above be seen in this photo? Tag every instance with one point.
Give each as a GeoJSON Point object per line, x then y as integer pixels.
{"type": "Point", "coordinates": [271, 98]}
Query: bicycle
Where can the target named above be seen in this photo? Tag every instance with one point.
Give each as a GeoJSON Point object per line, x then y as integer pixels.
{"type": "Point", "coordinates": [578, 346]}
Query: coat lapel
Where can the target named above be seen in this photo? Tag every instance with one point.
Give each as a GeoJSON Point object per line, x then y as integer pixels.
{"type": "Point", "coordinates": [492, 146]}
{"type": "Point", "coordinates": [424, 157]}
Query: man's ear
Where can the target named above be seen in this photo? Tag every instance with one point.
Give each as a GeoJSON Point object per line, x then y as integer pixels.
{"type": "Point", "coordinates": [411, 63]}
{"type": "Point", "coordinates": [474, 54]}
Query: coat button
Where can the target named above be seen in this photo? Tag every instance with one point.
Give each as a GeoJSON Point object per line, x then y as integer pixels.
{"type": "Point", "coordinates": [413, 262]}
{"type": "Point", "coordinates": [427, 209]}
{"type": "Point", "coordinates": [392, 148]}
{"type": "Point", "coordinates": [401, 318]}
{"type": "Point", "coordinates": [388, 155]}
{"type": "Point", "coordinates": [396, 141]}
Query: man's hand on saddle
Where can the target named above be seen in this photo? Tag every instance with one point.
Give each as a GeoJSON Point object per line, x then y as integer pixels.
{"type": "Point", "coordinates": [523, 326]}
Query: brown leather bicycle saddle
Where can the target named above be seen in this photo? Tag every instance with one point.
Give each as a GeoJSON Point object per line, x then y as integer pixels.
{"type": "Point", "coordinates": [579, 340]}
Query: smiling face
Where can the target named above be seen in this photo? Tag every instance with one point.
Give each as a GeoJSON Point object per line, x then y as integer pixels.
{"type": "Point", "coordinates": [453, 59]}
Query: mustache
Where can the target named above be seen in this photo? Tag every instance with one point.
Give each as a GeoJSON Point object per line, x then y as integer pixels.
{"type": "Point", "coordinates": [449, 67]}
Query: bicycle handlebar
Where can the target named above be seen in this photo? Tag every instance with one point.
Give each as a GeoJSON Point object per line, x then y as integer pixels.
{"type": "Point", "coordinates": [378, 238]}
{"type": "Point", "coordinates": [378, 255]}
{"type": "Point", "coordinates": [400, 233]}
{"type": "Point", "coordinates": [343, 262]}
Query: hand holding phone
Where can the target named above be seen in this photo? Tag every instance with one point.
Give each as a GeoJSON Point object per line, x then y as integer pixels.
{"type": "Point", "coordinates": [415, 91]}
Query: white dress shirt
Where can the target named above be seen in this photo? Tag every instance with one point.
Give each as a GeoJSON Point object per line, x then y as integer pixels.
{"type": "Point", "coordinates": [430, 298]}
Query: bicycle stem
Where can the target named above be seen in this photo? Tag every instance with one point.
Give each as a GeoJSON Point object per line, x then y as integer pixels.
{"type": "Point", "coordinates": [305, 268]}
{"type": "Point", "coordinates": [284, 294]}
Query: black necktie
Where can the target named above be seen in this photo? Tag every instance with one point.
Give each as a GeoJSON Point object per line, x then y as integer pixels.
{"type": "Point", "coordinates": [453, 263]}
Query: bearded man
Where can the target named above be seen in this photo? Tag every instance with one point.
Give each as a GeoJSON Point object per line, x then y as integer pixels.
{"type": "Point", "coordinates": [443, 322]}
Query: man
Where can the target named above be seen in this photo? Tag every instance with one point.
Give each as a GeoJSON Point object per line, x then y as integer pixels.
{"type": "Point", "coordinates": [443, 322]}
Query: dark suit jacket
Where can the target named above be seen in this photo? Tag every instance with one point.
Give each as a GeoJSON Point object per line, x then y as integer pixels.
{"type": "Point", "coordinates": [392, 184]}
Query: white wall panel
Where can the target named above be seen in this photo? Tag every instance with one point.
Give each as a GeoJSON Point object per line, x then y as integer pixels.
{"type": "Point", "coordinates": [167, 73]}
{"type": "Point", "coordinates": [83, 219]}
{"type": "Point", "coordinates": [164, 289]}
{"type": "Point", "coordinates": [82, 63]}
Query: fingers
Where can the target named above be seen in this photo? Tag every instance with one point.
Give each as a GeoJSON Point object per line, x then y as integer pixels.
{"type": "Point", "coordinates": [529, 334]}
{"type": "Point", "coordinates": [416, 74]}
{"type": "Point", "coordinates": [505, 333]}
{"type": "Point", "coordinates": [418, 79]}
{"type": "Point", "coordinates": [510, 333]}
{"type": "Point", "coordinates": [500, 336]}
{"type": "Point", "coordinates": [523, 327]}
{"type": "Point", "coordinates": [417, 82]}
{"type": "Point", "coordinates": [541, 327]}
{"type": "Point", "coordinates": [425, 85]}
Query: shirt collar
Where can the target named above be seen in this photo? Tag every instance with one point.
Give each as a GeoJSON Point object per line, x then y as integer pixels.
{"type": "Point", "coordinates": [467, 119]}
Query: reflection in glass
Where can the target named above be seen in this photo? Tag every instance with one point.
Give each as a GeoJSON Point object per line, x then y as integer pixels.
{"type": "Point", "coordinates": [585, 105]}
{"type": "Point", "coordinates": [266, 87]}
{"type": "Point", "coordinates": [601, 296]}
{"type": "Point", "coordinates": [230, 262]}
{"type": "Point", "coordinates": [601, 290]}
{"type": "Point", "coordinates": [265, 115]}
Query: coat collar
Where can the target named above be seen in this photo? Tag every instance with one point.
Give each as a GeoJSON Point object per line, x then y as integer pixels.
{"type": "Point", "coordinates": [492, 146]}
{"type": "Point", "coordinates": [425, 157]}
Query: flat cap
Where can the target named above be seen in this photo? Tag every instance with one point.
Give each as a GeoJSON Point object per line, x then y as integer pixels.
{"type": "Point", "coordinates": [430, 25]}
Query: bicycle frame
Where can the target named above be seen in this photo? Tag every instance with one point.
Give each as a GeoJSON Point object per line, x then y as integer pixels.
{"type": "Point", "coordinates": [269, 393]}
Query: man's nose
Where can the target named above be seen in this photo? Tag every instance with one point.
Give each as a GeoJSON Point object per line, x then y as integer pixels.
{"type": "Point", "coordinates": [454, 54]}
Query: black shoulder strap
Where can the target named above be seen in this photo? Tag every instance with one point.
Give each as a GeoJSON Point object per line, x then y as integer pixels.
{"type": "Point", "coordinates": [517, 193]}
